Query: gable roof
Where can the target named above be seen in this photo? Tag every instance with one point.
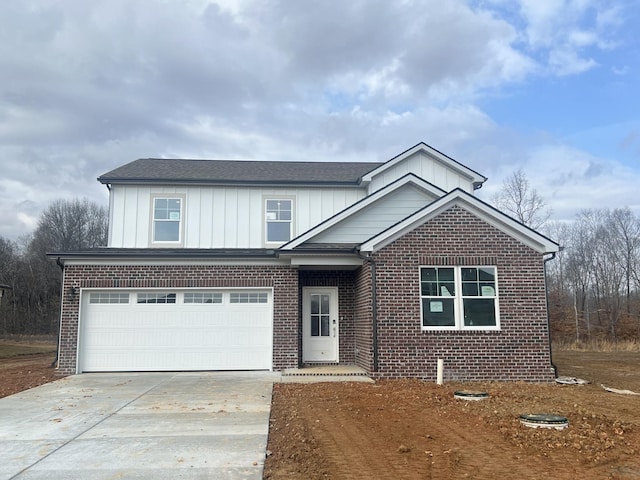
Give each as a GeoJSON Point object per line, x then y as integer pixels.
{"type": "Point", "coordinates": [477, 207]}
{"type": "Point", "coordinates": [476, 178]}
{"type": "Point", "coordinates": [238, 172]}
{"type": "Point", "coordinates": [353, 209]}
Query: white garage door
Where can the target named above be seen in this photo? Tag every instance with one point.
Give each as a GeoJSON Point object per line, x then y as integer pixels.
{"type": "Point", "coordinates": [173, 330]}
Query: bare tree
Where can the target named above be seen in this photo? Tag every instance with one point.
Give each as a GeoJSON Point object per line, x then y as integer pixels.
{"type": "Point", "coordinates": [32, 306]}
{"type": "Point", "coordinates": [72, 225]}
{"type": "Point", "coordinates": [523, 202]}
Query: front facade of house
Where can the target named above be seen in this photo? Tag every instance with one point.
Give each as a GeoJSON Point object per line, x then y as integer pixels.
{"type": "Point", "coordinates": [230, 265]}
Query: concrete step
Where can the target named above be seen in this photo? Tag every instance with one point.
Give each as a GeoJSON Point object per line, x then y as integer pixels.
{"type": "Point", "coordinates": [325, 373]}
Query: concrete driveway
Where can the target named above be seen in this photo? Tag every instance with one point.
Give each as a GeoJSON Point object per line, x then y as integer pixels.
{"type": "Point", "coordinates": [211, 425]}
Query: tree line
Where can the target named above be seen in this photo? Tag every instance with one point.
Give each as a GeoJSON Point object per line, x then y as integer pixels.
{"type": "Point", "coordinates": [593, 283]}
{"type": "Point", "coordinates": [32, 304]}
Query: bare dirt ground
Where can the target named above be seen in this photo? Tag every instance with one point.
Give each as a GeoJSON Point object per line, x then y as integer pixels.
{"type": "Point", "coordinates": [415, 430]}
{"type": "Point", "coordinates": [410, 429]}
{"type": "Point", "coordinates": [25, 371]}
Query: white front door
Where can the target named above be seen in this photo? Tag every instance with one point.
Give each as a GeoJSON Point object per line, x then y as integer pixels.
{"type": "Point", "coordinates": [320, 324]}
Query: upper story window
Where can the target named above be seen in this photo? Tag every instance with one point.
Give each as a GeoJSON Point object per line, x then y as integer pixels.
{"type": "Point", "coordinates": [167, 219]}
{"type": "Point", "coordinates": [278, 220]}
{"type": "Point", "coordinates": [459, 298]}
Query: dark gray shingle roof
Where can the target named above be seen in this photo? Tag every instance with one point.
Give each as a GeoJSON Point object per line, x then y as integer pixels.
{"type": "Point", "coordinates": [160, 170]}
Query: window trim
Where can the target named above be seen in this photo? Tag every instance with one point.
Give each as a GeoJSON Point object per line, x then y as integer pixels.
{"type": "Point", "coordinates": [152, 224]}
{"type": "Point", "coordinates": [459, 300]}
{"type": "Point", "coordinates": [152, 297]}
{"type": "Point", "coordinates": [109, 298]}
{"type": "Point", "coordinates": [265, 221]}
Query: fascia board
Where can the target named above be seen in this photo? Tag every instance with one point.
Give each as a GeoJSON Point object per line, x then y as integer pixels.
{"type": "Point", "coordinates": [472, 174]}
{"type": "Point", "coordinates": [164, 261]}
{"type": "Point", "coordinates": [335, 260]}
{"type": "Point", "coordinates": [356, 207]}
{"type": "Point", "coordinates": [493, 217]}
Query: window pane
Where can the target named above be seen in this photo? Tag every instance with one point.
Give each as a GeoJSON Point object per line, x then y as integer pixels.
{"type": "Point", "coordinates": [487, 274]}
{"type": "Point", "coordinates": [470, 289]}
{"type": "Point", "coordinates": [109, 298]}
{"type": "Point", "coordinates": [324, 304]}
{"type": "Point", "coordinates": [156, 298]}
{"type": "Point", "coordinates": [249, 297]}
{"type": "Point", "coordinates": [315, 305]}
{"type": "Point", "coordinates": [479, 312]}
{"type": "Point", "coordinates": [447, 289]}
{"type": "Point", "coordinates": [430, 289]}
{"type": "Point", "coordinates": [167, 231]}
{"type": "Point", "coordinates": [278, 231]}
{"type": "Point", "coordinates": [428, 275]}
{"type": "Point", "coordinates": [469, 274]}
{"type": "Point", "coordinates": [315, 325]}
{"type": "Point", "coordinates": [197, 297]}
{"type": "Point", "coordinates": [445, 274]}
{"type": "Point", "coordinates": [160, 210]}
{"type": "Point", "coordinates": [438, 312]}
{"type": "Point", "coordinates": [325, 325]}
{"type": "Point", "coordinates": [487, 290]}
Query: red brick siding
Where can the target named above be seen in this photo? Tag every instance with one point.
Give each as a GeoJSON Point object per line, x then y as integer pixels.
{"type": "Point", "coordinates": [519, 351]}
{"type": "Point", "coordinates": [363, 318]}
{"type": "Point", "coordinates": [344, 281]}
{"type": "Point", "coordinates": [283, 279]}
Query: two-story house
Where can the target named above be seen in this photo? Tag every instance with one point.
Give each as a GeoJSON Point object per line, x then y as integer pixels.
{"type": "Point", "coordinates": [260, 265]}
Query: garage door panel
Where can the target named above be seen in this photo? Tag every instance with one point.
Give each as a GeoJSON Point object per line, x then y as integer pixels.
{"type": "Point", "coordinates": [178, 336]}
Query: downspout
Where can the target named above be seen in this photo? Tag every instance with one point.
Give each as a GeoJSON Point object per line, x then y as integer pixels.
{"type": "Point", "coordinates": [374, 307]}
{"type": "Point", "coordinates": [55, 361]}
{"type": "Point", "coordinates": [546, 294]}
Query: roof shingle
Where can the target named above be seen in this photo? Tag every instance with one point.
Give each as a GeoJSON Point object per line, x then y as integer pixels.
{"type": "Point", "coordinates": [160, 170]}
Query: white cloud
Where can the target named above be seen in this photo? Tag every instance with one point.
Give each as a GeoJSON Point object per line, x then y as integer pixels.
{"type": "Point", "coordinates": [571, 180]}
{"type": "Point", "coordinates": [568, 33]}
{"type": "Point", "coordinates": [88, 86]}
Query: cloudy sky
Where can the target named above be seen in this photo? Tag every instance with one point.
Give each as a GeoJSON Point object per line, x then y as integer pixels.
{"type": "Point", "coordinates": [549, 86]}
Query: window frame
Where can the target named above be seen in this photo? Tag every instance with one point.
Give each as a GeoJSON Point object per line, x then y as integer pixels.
{"type": "Point", "coordinates": [156, 297]}
{"type": "Point", "coordinates": [180, 221]}
{"type": "Point", "coordinates": [459, 298]}
{"type": "Point", "coordinates": [266, 220]}
{"type": "Point", "coordinates": [109, 298]}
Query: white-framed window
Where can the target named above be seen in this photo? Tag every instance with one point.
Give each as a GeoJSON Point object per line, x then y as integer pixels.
{"type": "Point", "coordinates": [108, 297]}
{"type": "Point", "coordinates": [249, 297]}
{"type": "Point", "coordinates": [167, 219]}
{"type": "Point", "coordinates": [278, 215]}
{"type": "Point", "coordinates": [459, 298]}
{"type": "Point", "coordinates": [203, 297]}
{"type": "Point", "coordinates": [156, 297]}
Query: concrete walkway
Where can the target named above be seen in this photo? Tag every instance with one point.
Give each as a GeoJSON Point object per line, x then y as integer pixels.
{"type": "Point", "coordinates": [138, 425]}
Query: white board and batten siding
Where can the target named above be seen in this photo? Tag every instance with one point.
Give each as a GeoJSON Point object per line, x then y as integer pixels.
{"type": "Point", "coordinates": [426, 167]}
{"type": "Point", "coordinates": [219, 217]}
{"type": "Point", "coordinates": [118, 333]}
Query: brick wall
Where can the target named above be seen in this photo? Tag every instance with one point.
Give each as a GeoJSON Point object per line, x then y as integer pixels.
{"type": "Point", "coordinates": [283, 279]}
{"type": "Point", "coordinates": [363, 314]}
{"type": "Point", "coordinates": [519, 351]}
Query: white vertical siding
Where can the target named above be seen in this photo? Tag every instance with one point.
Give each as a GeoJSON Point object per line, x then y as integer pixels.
{"type": "Point", "coordinates": [220, 217]}
{"type": "Point", "coordinates": [192, 217]}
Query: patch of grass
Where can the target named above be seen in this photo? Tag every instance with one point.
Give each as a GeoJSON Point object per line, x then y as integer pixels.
{"type": "Point", "coordinates": [598, 345]}
{"type": "Point", "coordinates": [28, 339]}
{"type": "Point", "coordinates": [8, 350]}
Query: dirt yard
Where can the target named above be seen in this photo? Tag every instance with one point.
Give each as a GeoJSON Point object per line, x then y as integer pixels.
{"type": "Point", "coordinates": [417, 430]}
